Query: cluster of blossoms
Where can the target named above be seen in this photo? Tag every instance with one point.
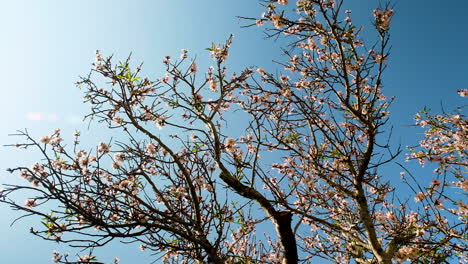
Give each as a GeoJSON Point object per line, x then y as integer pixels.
{"type": "Point", "coordinates": [99, 62]}
{"type": "Point", "coordinates": [382, 19]}
{"type": "Point", "coordinates": [230, 145]}
{"type": "Point", "coordinates": [221, 52]}
{"type": "Point", "coordinates": [57, 257]}
{"type": "Point", "coordinates": [283, 2]}
{"type": "Point", "coordinates": [30, 203]}
{"type": "Point", "coordinates": [53, 140]}
{"type": "Point", "coordinates": [463, 92]}
{"type": "Point", "coordinates": [445, 143]}
{"type": "Point", "coordinates": [103, 148]}
{"type": "Point", "coordinates": [86, 258]}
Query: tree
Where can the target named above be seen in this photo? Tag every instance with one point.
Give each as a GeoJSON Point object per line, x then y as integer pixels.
{"type": "Point", "coordinates": [309, 165]}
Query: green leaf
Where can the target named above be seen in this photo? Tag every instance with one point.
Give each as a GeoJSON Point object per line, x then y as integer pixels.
{"type": "Point", "coordinates": [173, 103]}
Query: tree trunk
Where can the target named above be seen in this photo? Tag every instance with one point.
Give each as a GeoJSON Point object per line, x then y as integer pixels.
{"type": "Point", "coordinates": [282, 222]}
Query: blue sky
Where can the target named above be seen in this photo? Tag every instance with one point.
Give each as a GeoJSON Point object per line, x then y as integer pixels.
{"type": "Point", "coordinates": [46, 45]}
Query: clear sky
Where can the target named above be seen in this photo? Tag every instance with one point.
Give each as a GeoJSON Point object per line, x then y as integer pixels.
{"type": "Point", "coordinates": [46, 45]}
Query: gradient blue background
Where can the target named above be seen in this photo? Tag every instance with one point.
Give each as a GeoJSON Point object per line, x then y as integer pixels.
{"type": "Point", "coordinates": [45, 45]}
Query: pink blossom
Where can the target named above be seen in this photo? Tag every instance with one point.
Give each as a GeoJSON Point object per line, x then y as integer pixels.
{"type": "Point", "coordinates": [230, 145]}
{"type": "Point", "coordinates": [30, 203]}
{"type": "Point", "coordinates": [311, 44]}
{"type": "Point", "coordinates": [125, 183]}
{"type": "Point", "coordinates": [379, 58]}
{"type": "Point", "coordinates": [382, 18]}
{"type": "Point", "coordinates": [277, 20]}
{"type": "Point", "coordinates": [56, 257]}
{"type": "Point", "coordinates": [193, 67]}
{"type": "Point", "coordinates": [114, 217]}
{"type": "Point", "coordinates": [406, 253]}
{"type": "Point", "coordinates": [55, 140]}
{"type": "Point", "coordinates": [462, 184]}
{"type": "Point", "coordinates": [184, 54]}
{"type": "Point", "coordinates": [435, 184]}
{"type": "Point", "coordinates": [198, 98]}
{"type": "Point", "coordinates": [161, 121]}
{"type": "Point", "coordinates": [117, 119]}
{"type": "Point", "coordinates": [98, 56]}
{"type": "Point", "coordinates": [86, 258]}
{"type": "Point", "coordinates": [213, 85]}
{"type": "Point", "coordinates": [419, 197]}
{"type": "Point", "coordinates": [143, 247]}
{"type": "Point", "coordinates": [119, 157]}
{"type": "Point", "coordinates": [167, 60]}
{"type": "Point", "coordinates": [103, 148]}
{"type": "Point", "coordinates": [463, 92]}
{"type": "Point", "coordinates": [286, 92]}
{"type": "Point", "coordinates": [439, 204]}
{"type": "Point", "coordinates": [45, 139]}
{"type": "Point", "coordinates": [261, 71]}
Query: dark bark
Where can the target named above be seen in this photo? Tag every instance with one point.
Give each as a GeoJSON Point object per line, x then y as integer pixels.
{"type": "Point", "coordinates": [283, 221]}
